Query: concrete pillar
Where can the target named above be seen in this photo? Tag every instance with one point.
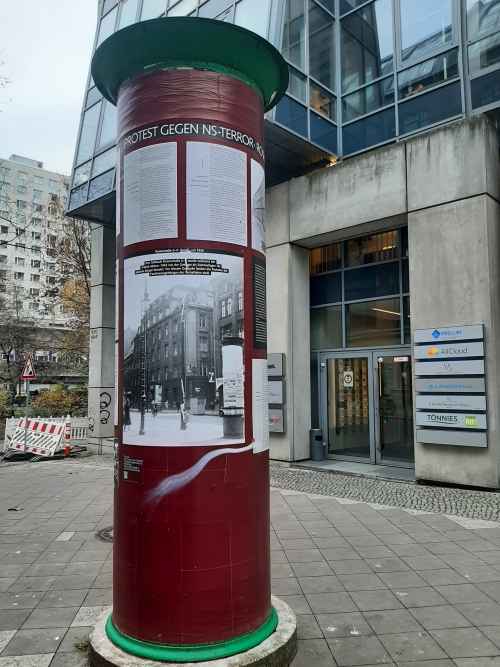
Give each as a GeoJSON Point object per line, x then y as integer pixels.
{"type": "Point", "coordinates": [102, 341]}
{"type": "Point", "coordinates": [288, 332]}
{"type": "Point", "coordinates": [454, 242]}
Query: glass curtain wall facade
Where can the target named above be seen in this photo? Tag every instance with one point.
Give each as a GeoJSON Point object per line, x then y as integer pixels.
{"type": "Point", "coordinates": [362, 74]}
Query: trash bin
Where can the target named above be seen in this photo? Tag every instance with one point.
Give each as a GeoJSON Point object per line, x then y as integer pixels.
{"type": "Point", "coordinates": [316, 442]}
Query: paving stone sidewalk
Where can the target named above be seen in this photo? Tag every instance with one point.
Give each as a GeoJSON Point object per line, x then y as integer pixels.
{"type": "Point", "coordinates": [370, 584]}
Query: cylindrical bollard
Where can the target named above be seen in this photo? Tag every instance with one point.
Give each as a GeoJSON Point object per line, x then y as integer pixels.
{"type": "Point", "coordinates": [191, 530]}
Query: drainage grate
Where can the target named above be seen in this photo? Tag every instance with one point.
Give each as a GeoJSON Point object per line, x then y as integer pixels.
{"type": "Point", "coordinates": [105, 534]}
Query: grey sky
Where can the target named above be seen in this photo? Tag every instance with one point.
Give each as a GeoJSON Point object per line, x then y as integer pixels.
{"type": "Point", "coordinates": [46, 46]}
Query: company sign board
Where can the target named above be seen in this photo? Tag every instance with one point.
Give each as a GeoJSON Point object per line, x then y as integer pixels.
{"type": "Point", "coordinates": [451, 420]}
{"type": "Point", "coordinates": [451, 367]}
{"type": "Point", "coordinates": [448, 351]}
{"type": "Point", "coordinates": [275, 365]}
{"type": "Point", "coordinates": [276, 421]}
{"type": "Point", "coordinates": [453, 386]}
{"type": "Point", "coordinates": [276, 392]}
{"type": "Point", "coordinates": [453, 402]}
{"type": "Point", "coordinates": [456, 438]}
{"type": "Point", "coordinates": [445, 334]}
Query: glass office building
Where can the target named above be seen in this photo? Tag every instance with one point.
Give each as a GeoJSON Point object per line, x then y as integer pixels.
{"type": "Point", "coordinates": [375, 160]}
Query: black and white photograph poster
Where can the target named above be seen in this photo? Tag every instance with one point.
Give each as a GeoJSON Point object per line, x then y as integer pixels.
{"type": "Point", "coordinates": [183, 349]}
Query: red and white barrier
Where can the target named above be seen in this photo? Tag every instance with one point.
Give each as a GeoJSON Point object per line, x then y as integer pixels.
{"type": "Point", "coordinates": [43, 437]}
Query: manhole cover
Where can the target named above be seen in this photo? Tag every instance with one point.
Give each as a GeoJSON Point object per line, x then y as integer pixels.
{"type": "Point", "coordinates": [105, 534]}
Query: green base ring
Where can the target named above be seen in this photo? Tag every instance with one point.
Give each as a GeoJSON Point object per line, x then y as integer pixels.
{"type": "Point", "coordinates": [192, 652]}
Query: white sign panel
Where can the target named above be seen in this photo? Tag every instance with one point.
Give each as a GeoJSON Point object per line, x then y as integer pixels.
{"type": "Point", "coordinates": [275, 365]}
{"type": "Point", "coordinates": [451, 420]}
{"type": "Point", "coordinates": [449, 367]}
{"type": "Point", "coordinates": [260, 418]}
{"type": "Point", "coordinates": [456, 438]}
{"type": "Point", "coordinates": [444, 334]}
{"type": "Point", "coordinates": [276, 392]}
{"type": "Point", "coordinates": [455, 386]}
{"type": "Point", "coordinates": [456, 350]}
{"type": "Point", "coordinates": [276, 421]}
{"type": "Point", "coordinates": [453, 402]}
{"type": "Point", "coordinates": [348, 379]}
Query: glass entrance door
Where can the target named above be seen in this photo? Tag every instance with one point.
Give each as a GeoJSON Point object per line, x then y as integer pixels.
{"type": "Point", "coordinates": [367, 406]}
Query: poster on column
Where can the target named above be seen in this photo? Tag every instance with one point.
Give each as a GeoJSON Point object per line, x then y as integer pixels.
{"type": "Point", "coordinates": [216, 193]}
{"type": "Point", "coordinates": [150, 193]}
{"type": "Point", "coordinates": [183, 349]}
{"type": "Point", "coordinates": [258, 189]}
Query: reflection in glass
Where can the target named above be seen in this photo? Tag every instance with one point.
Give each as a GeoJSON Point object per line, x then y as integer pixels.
{"type": "Point", "coordinates": [107, 26]}
{"type": "Point", "coordinates": [89, 131]}
{"type": "Point", "coordinates": [323, 133]}
{"type": "Point", "coordinates": [371, 281]}
{"type": "Point", "coordinates": [482, 16]}
{"type": "Point", "coordinates": [396, 410]}
{"type": "Point", "coordinates": [368, 99]}
{"type": "Point", "coordinates": [434, 107]}
{"type": "Point", "coordinates": [253, 15]}
{"type": "Point", "coordinates": [293, 115]}
{"type": "Point", "coordinates": [128, 14]}
{"type": "Point", "coordinates": [213, 8]}
{"type": "Point", "coordinates": [322, 101]}
{"type": "Point", "coordinates": [485, 90]}
{"type": "Point", "coordinates": [101, 185]}
{"type": "Point", "coordinates": [326, 328]}
{"type": "Point", "coordinates": [321, 46]}
{"type": "Point", "coordinates": [484, 53]}
{"type": "Point", "coordinates": [373, 323]}
{"type": "Point", "coordinates": [326, 288]}
{"type": "Point", "coordinates": [425, 26]}
{"type": "Point", "coordinates": [78, 197]}
{"type": "Point", "coordinates": [104, 161]}
{"type": "Point", "coordinates": [108, 129]}
{"type": "Point", "coordinates": [151, 9]}
{"type": "Point", "coordinates": [373, 248]}
{"type": "Point", "coordinates": [428, 74]}
{"type": "Point", "coordinates": [297, 84]}
{"type": "Point", "coordinates": [348, 407]}
{"type": "Point", "coordinates": [294, 46]}
{"type": "Point", "coordinates": [366, 49]}
{"type": "Point", "coordinates": [326, 258]}
{"type": "Point", "coordinates": [369, 131]}
{"type": "Point", "coordinates": [183, 8]}
{"type": "Point", "coordinates": [82, 174]}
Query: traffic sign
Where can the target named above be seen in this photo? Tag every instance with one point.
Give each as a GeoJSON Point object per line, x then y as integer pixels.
{"type": "Point", "coordinates": [28, 370]}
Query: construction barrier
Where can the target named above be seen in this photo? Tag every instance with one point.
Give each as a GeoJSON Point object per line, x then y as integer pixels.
{"type": "Point", "coordinates": [38, 436]}
{"type": "Point", "coordinates": [78, 425]}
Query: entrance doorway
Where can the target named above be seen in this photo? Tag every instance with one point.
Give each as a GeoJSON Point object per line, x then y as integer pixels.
{"type": "Point", "coordinates": [368, 406]}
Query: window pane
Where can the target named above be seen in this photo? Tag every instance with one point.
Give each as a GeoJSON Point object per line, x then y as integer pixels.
{"type": "Point", "coordinates": [373, 323]}
{"type": "Point", "coordinates": [371, 281]}
{"type": "Point", "coordinates": [348, 5]}
{"type": "Point", "coordinates": [406, 276]}
{"type": "Point", "coordinates": [372, 248]}
{"type": "Point", "coordinates": [428, 74]}
{"type": "Point", "coordinates": [329, 4]}
{"type": "Point", "coordinates": [104, 161]}
{"type": "Point", "coordinates": [314, 391]}
{"type": "Point", "coordinates": [151, 9]}
{"type": "Point", "coordinates": [253, 15]}
{"type": "Point", "coordinates": [101, 185]}
{"type": "Point", "coordinates": [322, 101]}
{"type": "Point", "coordinates": [108, 4]}
{"type": "Point", "coordinates": [430, 108]}
{"type": "Point", "coordinates": [323, 133]}
{"type": "Point", "coordinates": [92, 96]}
{"type": "Point", "coordinates": [325, 289]}
{"type": "Point", "coordinates": [129, 12]}
{"type": "Point", "coordinates": [89, 131]}
{"type": "Point", "coordinates": [425, 26]}
{"type": "Point", "coordinates": [484, 53]}
{"type": "Point", "coordinates": [293, 115]}
{"type": "Point", "coordinates": [370, 131]}
{"type": "Point", "coordinates": [107, 26]}
{"type": "Point", "coordinates": [321, 47]}
{"type": "Point", "coordinates": [482, 16]}
{"type": "Point", "coordinates": [78, 197]}
{"type": "Point", "coordinates": [326, 328]}
{"type": "Point", "coordinates": [108, 129]}
{"type": "Point", "coordinates": [297, 84]}
{"type": "Point", "coordinates": [213, 8]}
{"type": "Point", "coordinates": [183, 8]}
{"type": "Point", "coordinates": [366, 49]}
{"type": "Point", "coordinates": [368, 99]}
{"type": "Point", "coordinates": [324, 259]}
{"type": "Point", "coordinates": [407, 320]}
{"type": "Point", "coordinates": [485, 89]}
{"type": "Point", "coordinates": [294, 48]}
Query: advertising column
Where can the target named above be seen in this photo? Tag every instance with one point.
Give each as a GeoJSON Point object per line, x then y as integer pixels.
{"type": "Point", "coordinates": [191, 531]}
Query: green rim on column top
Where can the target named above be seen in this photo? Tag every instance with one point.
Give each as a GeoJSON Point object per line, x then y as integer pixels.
{"type": "Point", "coordinates": [168, 43]}
{"type": "Point", "coordinates": [192, 653]}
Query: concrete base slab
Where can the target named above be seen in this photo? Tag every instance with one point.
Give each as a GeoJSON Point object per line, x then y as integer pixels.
{"type": "Point", "coordinates": [278, 650]}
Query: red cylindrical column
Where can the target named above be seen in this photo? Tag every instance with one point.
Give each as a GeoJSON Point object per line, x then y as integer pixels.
{"type": "Point", "coordinates": [191, 532]}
